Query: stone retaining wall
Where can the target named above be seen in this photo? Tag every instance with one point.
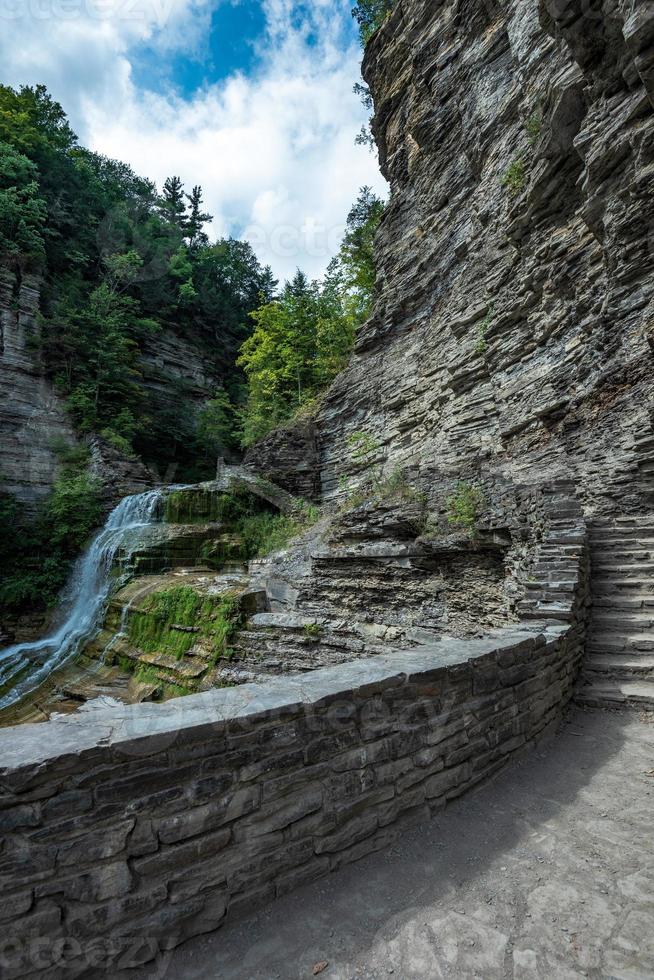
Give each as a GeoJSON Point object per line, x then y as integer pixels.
{"type": "Point", "coordinates": [126, 830]}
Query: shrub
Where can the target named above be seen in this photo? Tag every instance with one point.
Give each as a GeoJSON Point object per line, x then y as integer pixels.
{"type": "Point", "coordinates": [362, 445]}
{"type": "Point", "coordinates": [312, 631]}
{"type": "Point", "coordinates": [515, 177]}
{"type": "Point", "coordinates": [464, 507]}
{"type": "Point", "coordinates": [534, 126]}
{"type": "Point", "coordinates": [483, 328]}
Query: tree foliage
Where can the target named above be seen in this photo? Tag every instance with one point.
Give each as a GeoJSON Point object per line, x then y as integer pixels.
{"type": "Point", "coordinates": [121, 264]}
{"type": "Point", "coordinates": [370, 15]}
{"type": "Point", "coordinates": [304, 337]}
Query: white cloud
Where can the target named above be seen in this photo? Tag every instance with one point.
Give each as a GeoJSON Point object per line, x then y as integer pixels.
{"type": "Point", "coordinates": [274, 151]}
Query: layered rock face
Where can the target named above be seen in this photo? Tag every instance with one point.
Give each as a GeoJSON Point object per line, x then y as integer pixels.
{"type": "Point", "coordinates": [32, 419]}
{"type": "Point", "coordinates": [512, 334]}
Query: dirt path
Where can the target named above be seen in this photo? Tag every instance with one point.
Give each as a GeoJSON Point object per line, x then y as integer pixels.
{"type": "Point", "coordinates": [546, 873]}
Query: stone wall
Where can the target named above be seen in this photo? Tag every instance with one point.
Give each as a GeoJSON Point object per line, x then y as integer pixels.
{"type": "Point", "coordinates": [127, 830]}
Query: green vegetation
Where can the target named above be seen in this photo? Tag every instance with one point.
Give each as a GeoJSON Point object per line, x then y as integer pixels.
{"type": "Point", "coordinates": [36, 554]}
{"type": "Point", "coordinates": [254, 530]}
{"type": "Point", "coordinates": [465, 506]}
{"type": "Point", "coordinates": [312, 632]}
{"type": "Point", "coordinates": [515, 177]}
{"type": "Point", "coordinates": [481, 346]}
{"type": "Point", "coordinates": [171, 622]}
{"type": "Point", "coordinates": [304, 337]}
{"type": "Point", "coordinates": [396, 486]}
{"type": "Point", "coordinates": [362, 446]}
{"type": "Point", "coordinates": [120, 263]}
{"type": "Point", "coordinates": [534, 126]}
{"type": "Point", "coordinates": [370, 15]}
{"type": "Point", "coordinates": [263, 534]}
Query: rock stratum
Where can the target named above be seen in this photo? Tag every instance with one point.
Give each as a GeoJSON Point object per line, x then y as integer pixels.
{"type": "Point", "coordinates": [512, 334]}
{"type": "Point", "coordinates": [511, 340]}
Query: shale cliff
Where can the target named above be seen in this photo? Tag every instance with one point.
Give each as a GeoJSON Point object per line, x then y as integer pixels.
{"type": "Point", "coordinates": [512, 334]}
{"type": "Point", "coordinates": [175, 372]}
{"type": "Point", "coordinates": [32, 419]}
{"type": "Point", "coordinates": [509, 353]}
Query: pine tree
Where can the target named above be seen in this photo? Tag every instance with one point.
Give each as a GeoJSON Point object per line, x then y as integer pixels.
{"type": "Point", "coordinates": [173, 208]}
{"type": "Point", "coordinates": [197, 218]}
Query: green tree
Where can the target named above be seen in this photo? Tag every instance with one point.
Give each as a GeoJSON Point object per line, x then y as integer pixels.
{"type": "Point", "coordinates": [304, 337]}
{"type": "Point", "coordinates": [370, 15]}
{"type": "Point", "coordinates": [197, 219]}
{"type": "Point", "coordinates": [357, 253]}
{"type": "Point", "coordinates": [173, 208]}
{"type": "Point", "coordinates": [23, 212]}
{"type": "Point", "coordinates": [216, 425]}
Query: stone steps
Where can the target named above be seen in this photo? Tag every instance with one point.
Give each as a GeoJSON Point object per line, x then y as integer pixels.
{"type": "Point", "coordinates": [603, 585]}
{"type": "Point", "coordinates": [621, 603]}
{"type": "Point", "coordinates": [620, 642]}
{"type": "Point", "coordinates": [619, 669]}
{"type": "Point", "coordinates": [625, 694]}
{"type": "Point", "coordinates": [605, 618]}
{"type": "Point", "coordinates": [623, 668]}
{"type": "Point", "coordinates": [607, 568]}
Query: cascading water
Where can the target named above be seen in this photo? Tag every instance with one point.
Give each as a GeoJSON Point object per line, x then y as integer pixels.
{"type": "Point", "coordinates": [25, 666]}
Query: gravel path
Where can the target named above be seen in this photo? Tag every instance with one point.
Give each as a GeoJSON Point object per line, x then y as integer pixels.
{"type": "Point", "coordinates": [548, 872]}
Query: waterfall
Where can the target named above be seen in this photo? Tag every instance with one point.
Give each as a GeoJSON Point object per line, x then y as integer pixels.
{"type": "Point", "coordinates": [26, 665]}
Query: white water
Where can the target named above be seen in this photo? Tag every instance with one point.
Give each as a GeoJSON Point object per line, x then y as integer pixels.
{"type": "Point", "coordinates": [88, 591]}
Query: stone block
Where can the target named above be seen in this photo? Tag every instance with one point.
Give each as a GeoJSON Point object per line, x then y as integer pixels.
{"type": "Point", "coordinates": [355, 830]}
{"type": "Point", "coordinates": [279, 814]}
{"type": "Point", "coordinates": [177, 856]}
{"type": "Point", "coordinates": [312, 870]}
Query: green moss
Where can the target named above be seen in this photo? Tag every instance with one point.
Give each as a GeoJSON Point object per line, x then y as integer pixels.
{"type": "Point", "coordinates": [194, 506]}
{"type": "Point", "coordinates": [171, 622]}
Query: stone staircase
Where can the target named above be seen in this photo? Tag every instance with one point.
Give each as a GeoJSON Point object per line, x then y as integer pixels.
{"type": "Point", "coordinates": [619, 666]}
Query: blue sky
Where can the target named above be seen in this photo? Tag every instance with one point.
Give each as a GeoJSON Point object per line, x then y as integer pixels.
{"type": "Point", "coordinates": [252, 99]}
{"type": "Point", "coordinates": [231, 43]}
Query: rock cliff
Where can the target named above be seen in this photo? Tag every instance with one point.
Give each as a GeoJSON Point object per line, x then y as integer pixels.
{"type": "Point", "coordinates": [32, 418]}
{"type": "Point", "coordinates": [511, 342]}
{"type": "Point", "coordinates": [512, 333]}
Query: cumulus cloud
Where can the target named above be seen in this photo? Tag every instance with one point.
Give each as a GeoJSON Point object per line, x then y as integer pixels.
{"type": "Point", "coordinates": [273, 150]}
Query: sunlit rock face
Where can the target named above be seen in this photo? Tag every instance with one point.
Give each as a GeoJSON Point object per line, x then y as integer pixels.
{"type": "Point", "coordinates": [512, 333]}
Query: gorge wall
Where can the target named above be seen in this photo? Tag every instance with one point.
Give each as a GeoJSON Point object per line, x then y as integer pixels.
{"type": "Point", "coordinates": [512, 333]}
{"type": "Point", "coordinates": [510, 350]}
{"type": "Point", "coordinates": [34, 420]}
